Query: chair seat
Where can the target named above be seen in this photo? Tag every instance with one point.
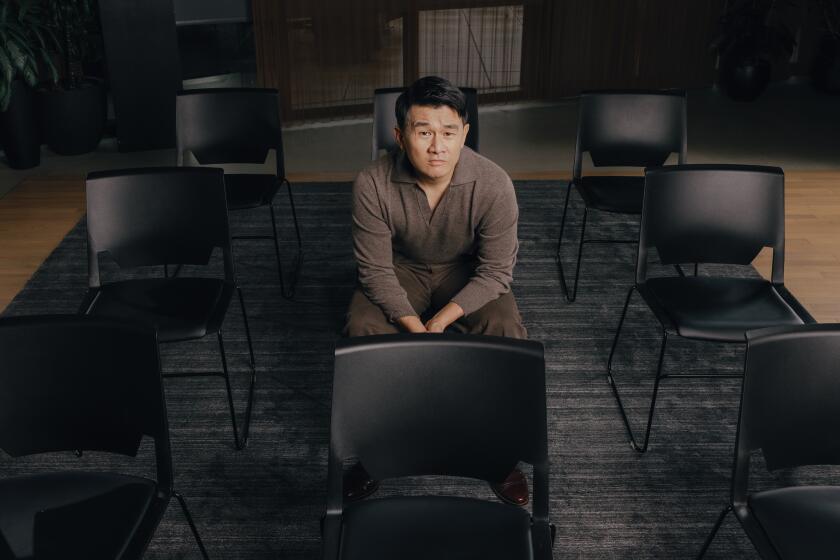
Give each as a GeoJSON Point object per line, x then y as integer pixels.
{"type": "Point", "coordinates": [801, 522]}
{"type": "Point", "coordinates": [179, 308]}
{"type": "Point", "coordinates": [41, 513]}
{"type": "Point", "coordinates": [720, 309]}
{"type": "Point", "coordinates": [619, 194]}
{"type": "Point", "coordinates": [246, 190]}
{"type": "Point", "coordinates": [415, 528]}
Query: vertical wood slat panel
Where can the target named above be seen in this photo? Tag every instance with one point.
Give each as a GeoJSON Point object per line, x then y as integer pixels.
{"type": "Point", "coordinates": [411, 41]}
{"type": "Point", "coordinates": [271, 48]}
{"type": "Point", "coordinates": [615, 44]}
{"type": "Point", "coordinates": [567, 45]}
{"type": "Point", "coordinates": [327, 57]}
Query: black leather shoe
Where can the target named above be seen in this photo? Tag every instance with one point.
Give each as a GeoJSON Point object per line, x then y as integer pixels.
{"type": "Point", "coordinates": [513, 490]}
{"type": "Point", "coordinates": [358, 484]}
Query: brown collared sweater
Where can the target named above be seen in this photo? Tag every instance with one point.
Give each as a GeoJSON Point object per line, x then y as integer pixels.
{"type": "Point", "coordinates": [475, 221]}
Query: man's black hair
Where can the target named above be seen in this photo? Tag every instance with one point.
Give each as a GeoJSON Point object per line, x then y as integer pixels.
{"type": "Point", "coordinates": [431, 91]}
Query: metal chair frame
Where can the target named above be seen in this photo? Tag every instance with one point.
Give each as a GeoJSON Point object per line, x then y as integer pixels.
{"type": "Point", "coordinates": [587, 141]}
{"type": "Point", "coordinates": [668, 329]}
{"type": "Point", "coordinates": [99, 182]}
{"type": "Point", "coordinates": [260, 105]}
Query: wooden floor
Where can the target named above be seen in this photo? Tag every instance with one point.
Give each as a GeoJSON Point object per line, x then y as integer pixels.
{"type": "Point", "coordinates": [34, 218]}
{"type": "Point", "coordinates": [37, 215]}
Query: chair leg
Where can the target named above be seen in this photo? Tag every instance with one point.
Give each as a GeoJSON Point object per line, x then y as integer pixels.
{"type": "Point", "coordinates": [250, 405]}
{"type": "Point", "coordinates": [580, 254]}
{"type": "Point", "coordinates": [714, 531]}
{"type": "Point", "coordinates": [174, 272]}
{"type": "Point", "coordinates": [618, 332]}
{"type": "Point", "coordinates": [557, 257]}
{"type": "Point", "coordinates": [294, 214]}
{"type": "Point", "coordinates": [570, 297]}
{"type": "Point", "coordinates": [288, 294]}
{"type": "Point", "coordinates": [247, 329]}
{"type": "Point", "coordinates": [239, 443]}
{"type": "Point", "coordinates": [655, 393]}
{"type": "Point", "coordinates": [633, 443]}
{"type": "Point", "coordinates": [197, 537]}
{"type": "Point", "coordinates": [277, 250]}
{"type": "Point", "coordinates": [299, 257]}
{"type": "Point", "coordinates": [681, 272]}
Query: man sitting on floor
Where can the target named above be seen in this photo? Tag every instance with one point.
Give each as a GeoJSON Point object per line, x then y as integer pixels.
{"type": "Point", "coordinates": [434, 235]}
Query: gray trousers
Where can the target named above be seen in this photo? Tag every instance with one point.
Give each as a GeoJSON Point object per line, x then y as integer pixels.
{"type": "Point", "coordinates": [429, 288]}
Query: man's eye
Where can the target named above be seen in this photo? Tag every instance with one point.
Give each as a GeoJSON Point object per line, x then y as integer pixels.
{"type": "Point", "coordinates": [425, 133]}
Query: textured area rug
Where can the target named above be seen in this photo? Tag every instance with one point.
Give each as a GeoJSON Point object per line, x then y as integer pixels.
{"type": "Point", "coordinates": [266, 501]}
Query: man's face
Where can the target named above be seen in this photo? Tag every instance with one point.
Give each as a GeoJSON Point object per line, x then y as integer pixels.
{"type": "Point", "coordinates": [432, 139]}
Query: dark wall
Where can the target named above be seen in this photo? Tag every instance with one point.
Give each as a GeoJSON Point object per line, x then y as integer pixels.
{"type": "Point", "coordinates": [647, 44]}
{"type": "Point", "coordinates": [568, 45]}
{"type": "Point", "coordinates": [595, 44]}
{"type": "Point", "coordinates": [141, 49]}
{"type": "Point", "coordinates": [211, 11]}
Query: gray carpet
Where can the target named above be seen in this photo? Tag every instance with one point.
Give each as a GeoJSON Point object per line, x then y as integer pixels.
{"type": "Point", "coordinates": [265, 501]}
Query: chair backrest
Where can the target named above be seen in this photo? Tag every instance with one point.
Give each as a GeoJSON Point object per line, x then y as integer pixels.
{"type": "Point", "coordinates": [229, 125]}
{"type": "Point", "coordinates": [472, 117]}
{"type": "Point", "coordinates": [712, 214]}
{"type": "Point", "coordinates": [631, 128]}
{"type": "Point", "coordinates": [789, 403]}
{"type": "Point", "coordinates": [157, 216]}
{"type": "Point", "coordinates": [385, 118]}
{"type": "Point", "coordinates": [458, 405]}
{"type": "Point", "coordinates": [78, 382]}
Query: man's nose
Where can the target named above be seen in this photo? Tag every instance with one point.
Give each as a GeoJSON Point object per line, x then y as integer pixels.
{"type": "Point", "coordinates": [437, 144]}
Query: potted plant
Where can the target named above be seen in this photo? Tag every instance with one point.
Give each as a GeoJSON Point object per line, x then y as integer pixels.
{"type": "Point", "coordinates": [825, 72]}
{"type": "Point", "coordinates": [752, 36]}
{"type": "Point", "coordinates": [74, 105]}
{"type": "Point", "coordinates": [25, 41]}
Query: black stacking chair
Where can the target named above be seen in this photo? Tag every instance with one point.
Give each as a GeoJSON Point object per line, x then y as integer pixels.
{"type": "Point", "coordinates": [472, 117]}
{"type": "Point", "coordinates": [789, 410]}
{"type": "Point", "coordinates": [239, 125]}
{"type": "Point", "coordinates": [163, 216]}
{"type": "Point", "coordinates": [723, 214]}
{"type": "Point", "coordinates": [385, 118]}
{"type": "Point", "coordinates": [71, 383]}
{"type": "Point", "coordinates": [620, 129]}
{"type": "Point", "coordinates": [458, 405]}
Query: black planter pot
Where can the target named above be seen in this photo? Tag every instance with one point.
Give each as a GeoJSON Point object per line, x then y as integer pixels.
{"type": "Point", "coordinates": [825, 72]}
{"type": "Point", "coordinates": [743, 75]}
{"type": "Point", "coordinates": [19, 131]}
{"type": "Point", "coordinates": [74, 119]}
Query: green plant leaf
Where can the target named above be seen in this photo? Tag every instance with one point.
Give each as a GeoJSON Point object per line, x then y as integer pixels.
{"type": "Point", "coordinates": [17, 57]}
{"type": "Point", "coordinates": [5, 97]}
{"type": "Point", "coordinates": [30, 73]}
{"type": "Point", "coordinates": [48, 62]}
{"type": "Point", "coordinates": [6, 67]}
{"type": "Point", "coordinates": [20, 42]}
{"type": "Point", "coordinates": [23, 8]}
{"type": "Point", "coordinates": [27, 39]}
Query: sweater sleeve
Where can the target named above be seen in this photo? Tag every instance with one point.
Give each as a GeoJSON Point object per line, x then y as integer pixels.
{"type": "Point", "coordinates": [373, 251]}
{"type": "Point", "coordinates": [496, 252]}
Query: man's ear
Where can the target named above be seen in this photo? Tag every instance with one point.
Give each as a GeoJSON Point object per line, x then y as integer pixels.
{"type": "Point", "coordinates": [466, 131]}
{"type": "Point", "coordinates": [398, 136]}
